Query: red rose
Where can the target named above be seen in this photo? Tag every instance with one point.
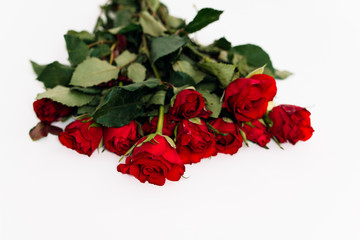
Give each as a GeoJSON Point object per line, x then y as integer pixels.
{"type": "Point", "coordinates": [290, 123]}
{"type": "Point", "coordinates": [120, 140]}
{"type": "Point", "coordinates": [248, 98]}
{"type": "Point", "coordinates": [230, 143]}
{"type": "Point", "coordinates": [194, 142]}
{"type": "Point", "coordinates": [257, 133]}
{"type": "Point", "coordinates": [189, 104]}
{"type": "Point", "coordinates": [154, 162]}
{"type": "Point", "coordinates": [79, 136]}
{"type": "Point", "coordinates": [168, 127]}
{"type": "Point", "coordinates": [50, 111]}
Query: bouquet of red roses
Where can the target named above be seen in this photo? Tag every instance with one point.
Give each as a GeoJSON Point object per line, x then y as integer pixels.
{"type": "Point", "coordinates": [141, 88]}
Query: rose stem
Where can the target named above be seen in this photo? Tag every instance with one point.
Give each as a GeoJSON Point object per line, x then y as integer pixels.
{"type": "Point", "coordinates": [160, 122]}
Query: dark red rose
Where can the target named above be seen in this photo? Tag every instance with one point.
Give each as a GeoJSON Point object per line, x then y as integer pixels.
{"type": "Point", "coordinates": [120, 140]}
{"type": "Point", "coordinates": [248, 98]}
{"type": "Point", "coordinates": [50, 111]}
{"type": "Point", "coordinates": [79, 136]}
{"type": "Point", "coordinates": [291, 123]}
{"type": "Point", "coordinates": [168, 127]}
{"type": "Point", "coordinates": [194, 142]}
{"type": "Point", "coordinates": [189, 104]}
{"type": "Point", "coordinates": [257, 133]}
{"type": "Point", "coordinates": [154, 162]}
{"type": "Point", "coordinates": [232, 141]}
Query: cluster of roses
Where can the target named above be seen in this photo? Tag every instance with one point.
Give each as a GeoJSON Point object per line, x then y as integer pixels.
{"type": "Point", "coordinates": [157, 149]}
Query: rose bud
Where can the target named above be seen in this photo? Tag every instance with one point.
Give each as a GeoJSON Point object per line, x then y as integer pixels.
{"type": "Point", "coordinates": [168, 127]}
{"type": "Point", "coordinates": [81, 136]}
{"type": "Point", "coordinates": [120, 140]}
{"type": "Point", "coordinates": [194, 142]}
{"type": "Point", "coordinates": [256, 132]}
{"type": "Point", "coordinates": [188, 104]}
{"type": "Point", "coordinates": [290, 123]}
{"type": "Point", "coordinates": [49, 111]}
{"type": "Point", "coordinates": [154, 161]}
{"type": "Point", "coordinates": [228, 139]}
{"type": "Point", "coordinates": [247, 98]}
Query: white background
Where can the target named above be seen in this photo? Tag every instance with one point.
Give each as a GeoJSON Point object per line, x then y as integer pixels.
{"type": "Point", "coordinates": [309, 191]}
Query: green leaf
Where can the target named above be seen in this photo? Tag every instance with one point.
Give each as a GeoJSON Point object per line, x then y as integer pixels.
{"type": "Point", "coordinates": [65, 96]}
{"type": "Point", "coordinates": [124, 29]}
{"type": "Point", "coordinates": [203, 18]}
{"type": "Point", "coordinates": [120, 106]}
{"type": "Point", "coordinates": [150, 25]}
{"type": "Point", "coordinates": [154, 4]}
{"type": "Point", "coordinates": [174, 22]}
{"type": "Point", "coordinates": [101, 51]}
{"type": "Point", "coordinates": [92, 72]}
{"type": "Point", "coordinates": [136, 72]}
{"type": "Point", "coordinates": [195, 120]}
{"type": "Point", "coordinates": [256, 71]}
{"type": "Point", "coordinates": [163, 46]}
{"type": "Point", "coordinates": [255, 56]}
{"type": "Point", "coordinates": [83, 35]}
{"type": "Point", "coordinates": [213, 103]}
{"type": "Point", "coordinates": [38, 69]}
{"type": "Point", "coordinates": [56, 74]}
{"type": "Point", "coordinates": [223, 43]}
{"type": "Point", "coordinates": [123, 18]}
{"type": "Point", "coordinates": [189, 69]}
{"type": "Point", "coordinates": [125, 58]}
{"type": "Point", "coordinates": [77, 49]}
{"type": "Point", "coordinates": [149, 83]}
{"type": "Point", "coordinates": [282, 74]}
{"type": "Point", "coordinates": [157, 99]}
{"type": "Point", "coordinates": [224, 72]}
{"type": "Point", "coordinates": [180, 79]}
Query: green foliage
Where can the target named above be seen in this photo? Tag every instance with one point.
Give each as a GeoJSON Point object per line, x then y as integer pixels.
{"type": "Point", "coordinates": [55, 74]}
{"type": "Point", "coordinates": [66, 96]}
{"type": "Point", "coordinates": [213, 103]}
{"type": "Point", "coordinates": [255, 56]}
{"type": "Point", "coordinates": [125, 58]}
{"type": "Point", "coordinates": [77, 49]}
{"type": "Point", "coordinates": [150, 25]}
{"type": "Point", "coordinates": [92, 72]}
{"type": "Point", "coordinates": [163, 46]}
{"type": "Point", "coordinates": [37, 68]}
{"type": "Point", "coordinates": [203, 18]}
{"type": "Point", "coordinates": [120, 106]}
{"type": "Point", "coordinates": [136, 72]}
{"type": "Point", "coordinates": [224, 72]}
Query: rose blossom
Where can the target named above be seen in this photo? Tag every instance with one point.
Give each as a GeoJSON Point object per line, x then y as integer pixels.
{"type": "Point", "coordinates": [154, 161]}
{"type": "Point", "coordinates": [291, 123]}
{"type": "Point", "coordinates": [231, 141]}
{"type": "Point", "coordinates": [257, 133]}
{"type": "Point", "coordinates": [247, 98]}
{"type": "Point", "coordinates": [49, 111]}
{"type": "Point", "coordinates": [194, 142]}
{"type": "Point", "coordinates": [120, 140]}
{"type": "Point", "coordinates": [189, 104]}
{"type": "Point", "coordinates": [79, 136]}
